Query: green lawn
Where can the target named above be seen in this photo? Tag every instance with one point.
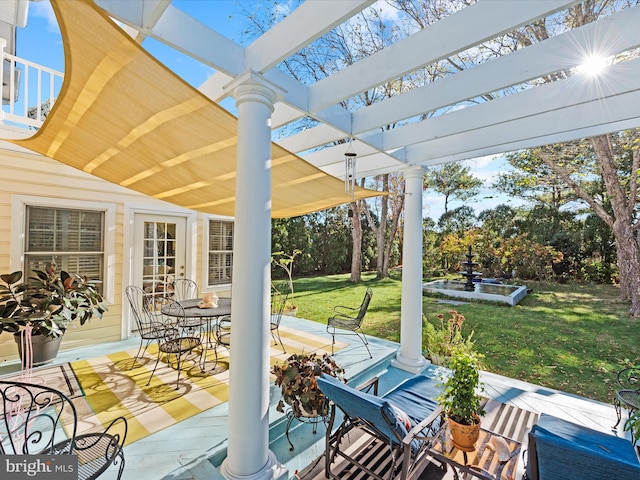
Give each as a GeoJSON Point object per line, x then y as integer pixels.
{"type": "Point", "coordinates": [570, 337]}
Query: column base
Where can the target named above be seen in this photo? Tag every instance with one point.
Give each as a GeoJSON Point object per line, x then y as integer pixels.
{"type": "Point", "coordinates": [413, 365]}
{"type": "Point", "coordinates": [273, 470]}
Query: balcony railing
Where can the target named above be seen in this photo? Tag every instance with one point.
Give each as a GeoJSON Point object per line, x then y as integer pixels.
{"type": "Point", "coordinates": [29, 91]}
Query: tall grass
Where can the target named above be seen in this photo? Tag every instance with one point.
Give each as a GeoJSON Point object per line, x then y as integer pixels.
{"type": "Point", "coordinates": [572, 337]}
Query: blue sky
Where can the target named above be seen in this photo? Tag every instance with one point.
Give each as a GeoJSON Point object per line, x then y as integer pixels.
{"type": "Point", "coordinates": [40, 42]}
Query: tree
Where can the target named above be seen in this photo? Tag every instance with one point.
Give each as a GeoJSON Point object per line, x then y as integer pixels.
{"type": "Point", "coordinates": [453, 180]}
{"type": "Point", "coordinates": [356, 237]}
{"type": "Point", "coordinates": [499, 222]}
{"type": "Point", "coordinates": [534, 181]}
{"type": "Point", "coordinates": [386, 228]}
{"type": "Point", "coordinates": [610, 160]}
{"type": "Point", "coordinates": [457, 220]}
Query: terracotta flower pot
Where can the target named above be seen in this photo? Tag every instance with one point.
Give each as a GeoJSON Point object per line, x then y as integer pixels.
{"type": "Point", "coordinates": [464, 437]}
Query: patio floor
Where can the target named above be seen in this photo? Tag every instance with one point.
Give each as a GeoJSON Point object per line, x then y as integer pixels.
{"type": "Point", "coordinates": [190, 449]}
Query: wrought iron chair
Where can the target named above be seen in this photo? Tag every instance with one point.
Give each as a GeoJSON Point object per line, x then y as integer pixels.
{"type": "Point", "coordinates": [150, 328]}
{"type": "Point", "coordinates": [37, 419]}
{"type": "Point", "coordinates": [180, 338]}
{"type": "Point", "coordinates": [223, 332]}
{"type": "Point", "coordinates": [404, 422]}
{"type": "Point", "coordinates": [185, 289]}
{"type": "Point", "coordinates": [278, 301]}
{"type": "Point", "coordinates": [627, 394]}
{"type": "Point", "coordinates": [348, 319]}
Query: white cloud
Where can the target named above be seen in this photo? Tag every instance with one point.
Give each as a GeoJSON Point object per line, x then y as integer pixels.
{"type": "Point", "coordinates": [386, 11]}
{"type": "Point", "coordinates": [43, 9]}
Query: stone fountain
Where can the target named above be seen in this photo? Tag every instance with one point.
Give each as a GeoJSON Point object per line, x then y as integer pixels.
{"type": "Point", "coordinates": [468, 273]}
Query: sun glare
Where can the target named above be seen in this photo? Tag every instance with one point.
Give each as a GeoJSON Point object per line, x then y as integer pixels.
{"type": "Point", "coordinates": [593, 65]}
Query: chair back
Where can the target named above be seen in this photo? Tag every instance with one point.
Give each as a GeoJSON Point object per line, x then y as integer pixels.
{"type": "Point", "coordinates": [185, 289]}
{"type": "Point", "coordinates": [32, 419]}
{"type": "Point", "coordinates": [171, 312]}
{"type": "Point", "coordinates": [357, 405]}
{"type": "Point", "coordinates": [364, 306]}
{"type": "Point", "coordinates": [278, 301]}
{"type": "Point", "coordinates": [143, 307]}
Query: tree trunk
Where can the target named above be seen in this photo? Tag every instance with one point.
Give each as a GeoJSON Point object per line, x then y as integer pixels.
{"type": "Point", "coordinates": [356, 236]}
{"type": "Point", "coordinates": [381, 232]}
{"type": "Point", "coordinates": [622, 227]}
{"type": "Point", "coordinates": [628, 266]}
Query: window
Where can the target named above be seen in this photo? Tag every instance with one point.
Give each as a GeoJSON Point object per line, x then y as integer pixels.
{"type": "Point", "coordinates": [72, 240]}
{"type": "Point", "coordinates": [220, 252]}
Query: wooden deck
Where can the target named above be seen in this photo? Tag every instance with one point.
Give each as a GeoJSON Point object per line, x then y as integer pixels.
{"type": "Point", "coordinates": [191, 449]}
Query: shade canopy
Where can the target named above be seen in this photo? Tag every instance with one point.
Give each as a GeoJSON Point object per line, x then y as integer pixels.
{"type": "Point", "coordinates": [124, 117]}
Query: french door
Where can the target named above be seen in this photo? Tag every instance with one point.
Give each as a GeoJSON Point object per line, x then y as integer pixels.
{"type": "Point", "coordinates": [159, 253]}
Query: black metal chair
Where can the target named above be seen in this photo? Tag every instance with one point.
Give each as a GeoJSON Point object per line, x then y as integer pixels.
{"type": "Point", "coordinates": [348, 321]}
{"type": "Point", "coordinates": [176, 341]}
{"type": "Point", "coordinates": [150, 328]}
{"type": "Point", "coordinates": [185, 289]}
{"type": "Point", "coordinates": [278, 301]}
{"type": "Point", "coordinates": [627, 393]}
{"type": "Point", "coordinates": [37, 419]}
{"type": "Point", "coordinates": [223, 332]}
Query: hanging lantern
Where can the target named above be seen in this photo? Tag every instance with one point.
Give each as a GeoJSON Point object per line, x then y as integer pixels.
{"type": "Point", "coordinates": [349, 171]}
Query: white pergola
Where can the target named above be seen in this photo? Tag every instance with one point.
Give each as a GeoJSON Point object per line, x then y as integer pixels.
{"type": "Point", "coordinates": [267, 98]}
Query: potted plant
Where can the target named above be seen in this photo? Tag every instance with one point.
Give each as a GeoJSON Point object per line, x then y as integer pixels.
{"type": "Point", "coordinates": [461, 398]}
{"type": "Point", "coordinates": [440, 341]}
{"type": "Point", "coordinates": [39, 310]}
{"type": "Point", "coordinates": [296, 377]}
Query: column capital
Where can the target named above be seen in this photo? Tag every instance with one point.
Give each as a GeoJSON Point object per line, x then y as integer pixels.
{"type": "Point", "coordinates": [252, 86]}
{"type": "Point", "coordinates": [413, 171]}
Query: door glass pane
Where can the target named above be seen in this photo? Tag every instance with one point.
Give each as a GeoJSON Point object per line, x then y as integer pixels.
{"type": "Point", "coordinates": [159, 260]}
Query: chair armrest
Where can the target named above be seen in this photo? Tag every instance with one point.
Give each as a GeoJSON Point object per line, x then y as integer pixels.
{"type": "Point", "coordinates": [416, 432]}
{"type": "Point", "coordinates": [372, 382]}
{"type": "Point", "coordinates": [344, 311]}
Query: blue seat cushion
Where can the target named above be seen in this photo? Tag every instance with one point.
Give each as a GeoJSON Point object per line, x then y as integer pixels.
{"type": "Point", "coordinates": [387, 413]}
{"type": "Point", "coordinates": [412, 396]}
{"type": "Point", "coordinates": [562, 450]}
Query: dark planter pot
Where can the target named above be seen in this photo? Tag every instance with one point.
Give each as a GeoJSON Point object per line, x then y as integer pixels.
{"type": "Point", "coordinates": [465, 436]}
{"type": "Point", "coordinates": [45, 349]}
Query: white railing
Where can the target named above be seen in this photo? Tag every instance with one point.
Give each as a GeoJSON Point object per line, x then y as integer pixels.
{"type": "Point", "coordinates": [29, 91]}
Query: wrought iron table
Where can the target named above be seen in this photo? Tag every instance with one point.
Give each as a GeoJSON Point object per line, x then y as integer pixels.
{"type": "Point", "coordinates": [481, 463]}
{"type": "Point", "coordinates": [199, 316]}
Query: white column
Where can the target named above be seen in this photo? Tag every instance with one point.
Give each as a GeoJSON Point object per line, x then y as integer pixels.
{"type": "Point", "coordinates": [248, 455]}
{"type": "Point", "coordinates": [409, 356]}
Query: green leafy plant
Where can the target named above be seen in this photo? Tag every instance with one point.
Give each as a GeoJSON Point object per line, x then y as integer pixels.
{"type": "Point", "coordinates": [48, 302]}
{"type": "Point", "coordinates": [461, 395]}
{"type": "Point", "coordinates": [442, 340]}
{"type": "Point", "coordinates": [296, 377]}
{"type": "Point", "coordinates": [632, 424]}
